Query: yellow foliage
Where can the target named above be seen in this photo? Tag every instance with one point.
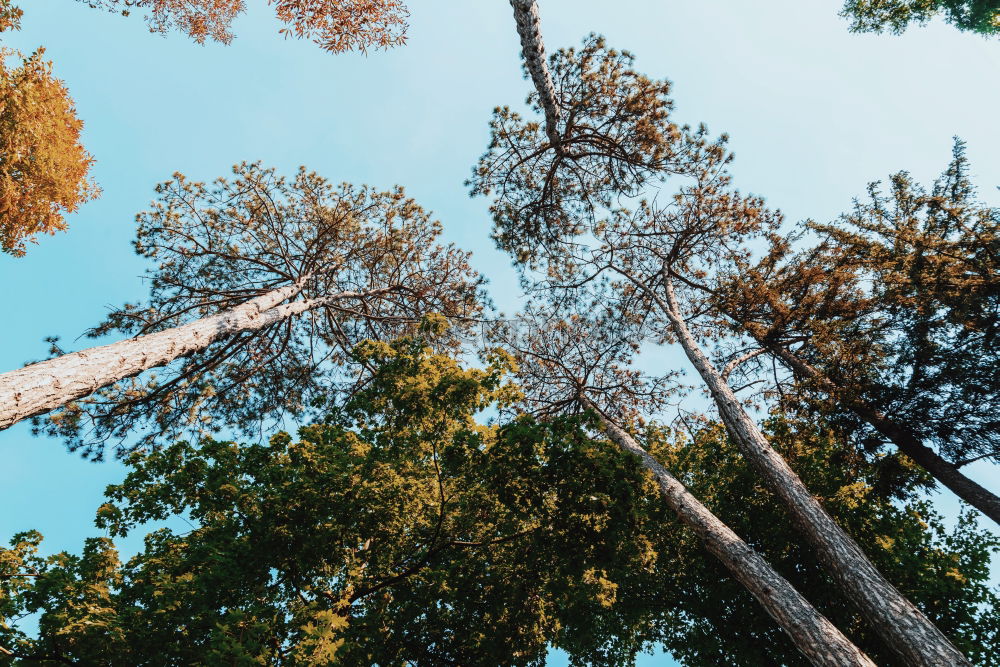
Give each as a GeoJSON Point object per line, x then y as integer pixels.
{"type": "Point", "coordinates": [434, 324]}
{"type": "Point", "coordinates": [43, 167]}
{"type": "Point", "coordinates": [321, 638]}
{"type": "Point", "coordinates": [853, 495]}
{"type": "Point", "coordinates": [953, 573]}
{"type": "Point", "coordinates": [607, 590]}
{"type": "Point", "coordinates": [10, 16]}
{"type": "Point", "coordinates": [885, 542]}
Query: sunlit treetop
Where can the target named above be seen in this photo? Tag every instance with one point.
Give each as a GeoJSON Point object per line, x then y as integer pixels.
{"type": "Point", "coordinates": [44, 170]}
{"type": "Point", "coordinates": [614, 135]}
{"type": "Point", "coordinates": [336, 26]}
{"type": "Point", "coordinates": [900, 300]}
{"type": "Point", "coordinates": [981, 16]}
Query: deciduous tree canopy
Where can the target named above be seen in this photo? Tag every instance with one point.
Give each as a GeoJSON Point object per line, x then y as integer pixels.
{"type": "Point", "coordinates": [10, 16]}
{"type": "Point", "coordinates": [981, 16]}
{"type": "Point", "coordinates": [406, 531]}
{"type": "Point", "coordinates": [335, 25]}
{"type": "Point", "coordinates": [44, 170]}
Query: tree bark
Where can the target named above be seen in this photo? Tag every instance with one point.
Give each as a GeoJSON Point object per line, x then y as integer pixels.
{"type": "Point", "coordinates": [903, 627]}
{"type": "Point", "coordinates": [46, 385]}
{"type": "Point", "coordinates": [815, 636]}
{"type": "Point", "coordinates": [944, 471]}
{"type": "Point", "coordinates": [533, 52]}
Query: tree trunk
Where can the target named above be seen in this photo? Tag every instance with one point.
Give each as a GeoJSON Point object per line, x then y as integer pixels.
{"type": "Point", "coordinates": [944, 471]}
{"type": "Point", "coordinates": [815, 636]}
{"type": "Point", "coordinates": [533, 51]}
{"type": "Point", "coordinates": [46, 385]}
{"type": "Point", "coordinates": [903, 627]}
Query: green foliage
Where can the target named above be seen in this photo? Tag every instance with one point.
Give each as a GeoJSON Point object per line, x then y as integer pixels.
{"type": "Point", "coordinates": [981, 16]}
{"type": "Point", "coordinates": [403, 531]}
{"type": "Point", "coordinates": [943, 571]}
{"type": "Point", "coordinates": [406, 531]}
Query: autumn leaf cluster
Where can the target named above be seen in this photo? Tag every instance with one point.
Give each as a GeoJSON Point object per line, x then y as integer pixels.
{"type": "Point", "coordinates": [338, 26]}
{"type": "Point", "coordinates": [44, 169]}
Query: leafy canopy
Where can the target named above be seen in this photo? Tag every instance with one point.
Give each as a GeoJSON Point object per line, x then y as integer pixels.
{"type": "Point", "coordinates": [402, 532]}
{"type": "Point", "coordinates": [44, 170]}
{"type": "Point", "coordinates": [406, 531]}
{"type": "Point", "coordinates": [336, 26]}
{"type": "Point", "coordinates": [10, 16]}
{"type": "Point", "coordinates": [980, 16]}
{"type": "Point", "coordinates": [943, 570]}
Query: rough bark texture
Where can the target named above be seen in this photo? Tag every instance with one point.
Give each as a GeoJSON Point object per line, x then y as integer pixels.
{"type": "Point", "coordinates": [944, 471]}
{"type": "Point", "coordinates": [903, 627]}
{"type": "Point", "coordinates": [533, 51]}
{"type": "Point", "coordinates": [44, 386]}
{"type": "Point", "coordinates": [815, 636]}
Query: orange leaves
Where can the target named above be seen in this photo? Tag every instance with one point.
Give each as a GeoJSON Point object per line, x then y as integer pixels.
{"type": "Point", "coordinates": [335, 25]}
{"type": "Point", "coordinates": [199, 19]}
{"type": "Point", "coordinates": [43, 167]}
{"type": "Point", "coordinates": [10, 16]}
{"type": "Point", "coordinates": [345, 25]}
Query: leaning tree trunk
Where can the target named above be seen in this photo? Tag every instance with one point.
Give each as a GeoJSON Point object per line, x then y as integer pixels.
{"type": "Point", "coordinates": [46, 385]}
{"type": "Point", "coordinates": [942, 470]}
{"type": "Point", "coordinates": [815, 636]}
{"type": "Point", "coordinates": [533, 52]}
{"type": "Point", "coordinates": [903, 627]}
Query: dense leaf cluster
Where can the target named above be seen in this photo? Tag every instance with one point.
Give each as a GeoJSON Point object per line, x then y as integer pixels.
{"type": "Point", "coordinates": [406, 531]}
{"type": "Point", "coordinates": [44, 170]}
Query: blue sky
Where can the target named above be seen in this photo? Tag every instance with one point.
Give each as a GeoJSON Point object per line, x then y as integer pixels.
{"type": "Point", "coordinates": [814, 114]}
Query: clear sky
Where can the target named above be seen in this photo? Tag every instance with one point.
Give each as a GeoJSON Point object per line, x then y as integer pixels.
{"type": "Point", "coordinates": [814, 113]}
